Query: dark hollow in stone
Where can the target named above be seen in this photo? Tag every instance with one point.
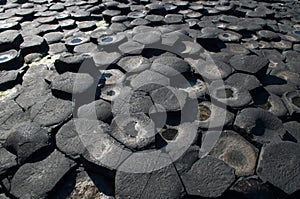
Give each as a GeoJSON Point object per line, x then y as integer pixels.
{"type": "Point", "coordinates": [204, 112]}
{"type": "Point", "coordinates": [251, 187]}
{"type": "Point", "coordinates": [169, 134]}
{"type": "Point", "coordinates": [292, 101]}
{"type": "Point", "coordinates": [106, 39]}
{"type": "Point", "coordinates": [227, 93]}
{"type": "Point", "coordinates": [10, 60]}
{"type": "Point", "coordinates": [296, 101]}
{"type": "Point", "coordinates": [234, 150]}
{"type": "Point", "coordinates": [261, 124]}
{"type": "Point", "coordinates": [76, 40]}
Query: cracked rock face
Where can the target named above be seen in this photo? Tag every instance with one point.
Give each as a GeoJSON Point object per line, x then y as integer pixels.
{"type": "Point", "coordinates": [149, 99]}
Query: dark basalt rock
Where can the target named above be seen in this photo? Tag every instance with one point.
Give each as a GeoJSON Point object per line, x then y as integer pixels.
{"type": "Point", "coordinates": [67, 24]}
{"type": "Point", "coordinates": [9, 26]}
{"type": "Point", "coordinates": [68, 62]}
{"type": "Point", "coordinates": [108, 14]}
{"type": "Point", "coordinates": [134, 64]}
{"type": "Point", "coordinates": [57, 48]}
{"type": "Point", "coordinates": [10, 60]}
{"type": "Point", "coordinates": [211, 116]}
{"type": "Point", "coordinates": [131, 48]}
{"type": "Point", "coordinates": [130, 101]}
{"type": "Point", "coordinates": [35, 180]}
{"type": "Point", "coordinates": [34, 86]}
{"type": "Point", "coordinates": [121, 18]}
{"type": "Point", "coordinates": [248, 63]}
{"type": "Point", "coordinates": [11, 114]}
{"type": "Point", "coordinates": [170, 66]}
{"type": "Point", "coordinates": [27, 138]}
{"type": "Point", "coordinates": [282, 45]}
{"type": "Point", "coordinates": [98, 109]}
{"type": "Point", "coordinates": [149, 39]}
{"type": "Point", "coordinates": [277, 85]}
{"type": "Point", "coordinates": [33, 43]}
{"type": "Point", "coordinates": [252, 187]}
{"type": "Point", "coordinates": [104, 59]}
{"type": "Point", "coordinates": [268, 35]}
{"type": "Point", "coordinates": [155, 19]}
{"type": "Point", "coordinates": [292, 129]}
{"type": "Point", "coordinates": [185, 162]}
{"type": "Point", "coordinates": [235, 49]}
{"type": "Point", "coordinates": [213, 182]}
{"type": "Point", "coordinates": [149, 80]}
{"type": "Point", "coordinates": [270, 102]}
{"type": "Point", "coordinates": [53, 37]}
{"type": "Point", "coordinates": [234, 150]}
{"type": "Point", "coordinates": [68, 140]}
{"type": "Point", "coordinates": [51, 111]}
{"type": "Point", "coordinates": [173, 18]}
{"type": "Point", "coordinates": [277, 163]}
{"type": "Point", "coordinates": [83, 183]}
{"type": "Point", "coordinates": [234, 97]}
{"type": "Point", "coordinates": [243, 81]}
{"type": "Point", "coordinates": [86, 25]}
{"type": "Point", "coordinates": [213, 69]}
{"type": "Point", "coordinates": [75, 41]}
{"type": "Point", "coordinates": [111, 42]}
{"type": "Point", "coordinates": [7, 160]}
{"type": "Point", "coordinates": [118, 27]}
{"type": "Point", "coordinates": [150, 183]}
{"type": "Point", "coordinates": [136, 131]}
{"type": "Point", "coordinates": [261, 125]}
{"type": "Point", "coordinates": [139, 22]}
{"type": "Point", "coordinates": [47, 28]}
{"type": "Point", "coordinates": [292, 101]}
{"type": "Point", "coordinates": [10, 39]}
{"type": "Point", "coordinates": [110, 92]}
{"type": "Point", "coordinates": [164, 99]}
{"type": "Point", "coordinates": [171, 99]}
{"type": "Point", "coordinates": [86, 47]}
{"type": "Point", "coordinates": [100, 148]}
{"type": "Point", "coordinates": [111, 76]}
{"type": "Point", "coordinates": [69, 83]}
{"type": "Point", "coordinates": [9, 79]}
{"type": "Point", "coordinates": [229, 36]}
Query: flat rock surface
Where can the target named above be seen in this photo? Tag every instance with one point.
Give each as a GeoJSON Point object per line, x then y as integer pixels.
{"type": "Point", "coordinates": [36, 179]}
{"type": "Point", "coordinates": [149, 99]}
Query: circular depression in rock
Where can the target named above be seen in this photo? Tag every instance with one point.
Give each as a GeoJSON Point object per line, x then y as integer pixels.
{"type": "Point", "coordinates": [204, 112]}
{"type": "Point", "coordinates": [170, 134]}
{"type": "Point", "coordinates": [76, 41]}
{"type": "Point", "coordinates": [296, 101]}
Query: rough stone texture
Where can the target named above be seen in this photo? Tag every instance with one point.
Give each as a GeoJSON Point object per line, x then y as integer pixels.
{"type": "Point", "coordinates": [35, 180]}
{"type": "Point", "coordinates": [208, 177]}
{"type": "Point", "coordinates": [7, 160]}
{"type": "Point", "coordinates": [155, 183]}
{"type": "Point", "coordinates": [234, 150]}
{"type": "Point", "coordinates": [72, 83]}
{"type": "Point", "coordinates": [10, 114]}
{"type": "Point", "coordinates": [51, 111]}
{"type": "Point", "coordinates": [170, 66]}
{"type": "Point", "coordinates": [27, 138]}
{"type": "Point", "coordinates": [262, 125]}
{"type": "Point", "coordinates": [98, 109]}
{"type": "Point", "coordinates": [248, 63]}
{"type": "Point", "coordinates": [68, 141]}
{"type": "Point", "coordinates": [279, 164]}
